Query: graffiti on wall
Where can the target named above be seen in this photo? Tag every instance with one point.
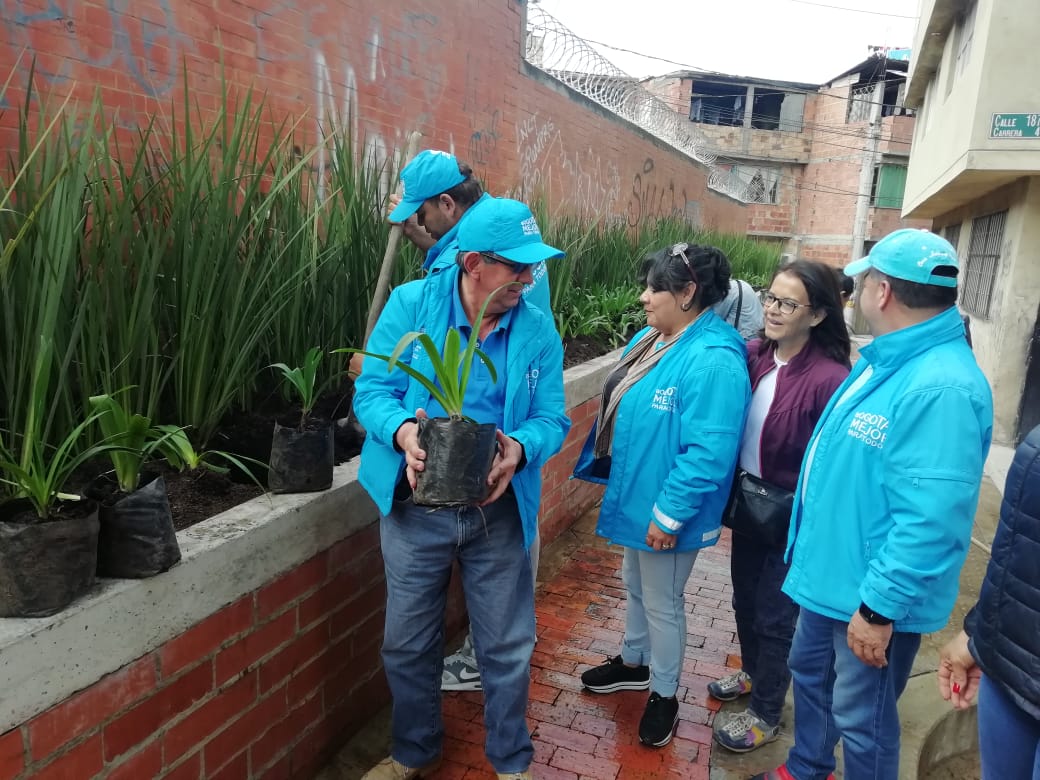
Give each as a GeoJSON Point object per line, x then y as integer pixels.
{"type": "Point", "coordinates": [392, 66]}
{"type": "Point", "coordinates": [653, 197]}
{"type": "Point", "coordinates": [142, 42]}
{"type": "Point", "coordinates": [594, 183]}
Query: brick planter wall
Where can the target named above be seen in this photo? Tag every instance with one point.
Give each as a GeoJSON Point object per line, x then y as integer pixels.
{"type": "Point", "coordinates": [256, 657]}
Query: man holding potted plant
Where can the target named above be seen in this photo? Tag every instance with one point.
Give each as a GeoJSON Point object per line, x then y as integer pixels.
{"type": "Point", "coordinates": [519, 388]}
{"type": "Point", "coordinates": [439, 193]}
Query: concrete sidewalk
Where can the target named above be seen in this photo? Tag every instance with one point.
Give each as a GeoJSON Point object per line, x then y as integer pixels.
{"type": "Point", "coordinates": [581, 736]}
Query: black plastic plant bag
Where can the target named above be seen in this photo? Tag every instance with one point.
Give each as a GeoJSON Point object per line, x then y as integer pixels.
{"type": "Point", "coordinates": [45, 565]}
{"type": "Point", "coordinates": [301, 461]}
{"type": "Point", "coordinates": [459, 454]}
{"type": "Point", "coordinates": [137, 537]}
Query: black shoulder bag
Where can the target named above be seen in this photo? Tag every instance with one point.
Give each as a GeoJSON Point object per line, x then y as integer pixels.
{"type": "Point", "coordinates": [759, 510]}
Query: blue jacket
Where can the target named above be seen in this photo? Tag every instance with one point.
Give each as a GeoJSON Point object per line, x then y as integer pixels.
{"type": "Point", "coordinates": [443, 255]}
{"type": "Point", "coordinates": [676, 440]}
{"type": "Point", "coordinates": [534, 411]}
{"type": "Point", "coordinates": [890, 481]}
{"type": "Point", "coordinates": [1005, 640]}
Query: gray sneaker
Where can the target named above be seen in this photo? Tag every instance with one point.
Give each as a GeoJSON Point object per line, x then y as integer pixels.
{"type": "Point", "coordinates": [460, 671]}
{"type": "Point", "coordinates": [731, 687]}
{"type": "Point", "coordinates": [744, 731]}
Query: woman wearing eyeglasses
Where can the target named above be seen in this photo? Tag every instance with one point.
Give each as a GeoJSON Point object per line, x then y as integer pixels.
{"type": "Point", "coordinates": [795, 367]}
{"type": "Point", "coordinates": [665, 443]}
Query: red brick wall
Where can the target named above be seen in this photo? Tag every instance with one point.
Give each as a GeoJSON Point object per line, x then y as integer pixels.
{"type": "Point", "coordinates": [379, 68]}
{"type": "Point", "coordinates": [268, 687]}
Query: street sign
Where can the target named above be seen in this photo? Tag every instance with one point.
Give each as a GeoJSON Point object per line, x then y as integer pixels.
{"type": "Point", "coordinates": [1015, 126]}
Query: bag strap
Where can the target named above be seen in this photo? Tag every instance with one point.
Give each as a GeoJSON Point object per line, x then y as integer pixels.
{"type": "Point", "coordinates": [740, 305]}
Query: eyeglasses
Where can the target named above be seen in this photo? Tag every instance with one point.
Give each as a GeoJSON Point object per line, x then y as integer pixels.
{"type": "Point", "coordinates": [679, 250]}
{"type": "Point", "coordinates": [786, 305]}
{"type": "Point", "coordinates": [514, 268]}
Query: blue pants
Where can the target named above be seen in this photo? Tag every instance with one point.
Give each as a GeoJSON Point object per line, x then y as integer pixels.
{"type": "Point", "coordinates": [419, 546]}
{"type": "Point", "coordinates": [766, 618]}
{"type": "Point", "coordinates": [837, 695]}
{"type": "Point", "coordinates": [1009, 738]}
{"type": "Point", "coordinates": [655, 615]}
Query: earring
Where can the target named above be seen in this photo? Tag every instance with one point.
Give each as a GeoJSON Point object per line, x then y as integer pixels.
{"type": "Point", "coordinates": [686, 306]}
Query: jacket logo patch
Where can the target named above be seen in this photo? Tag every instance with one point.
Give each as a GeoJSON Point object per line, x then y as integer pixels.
{"type": "Point", "coordinates": [532, 379]}
{"type": "Point", "coordinates": [664, 399]}
{"type": "Point", "coordinates": [869, 429]}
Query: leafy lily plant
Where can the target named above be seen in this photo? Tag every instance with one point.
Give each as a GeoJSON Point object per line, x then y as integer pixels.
{"type": "Point", "coordinates": [181, 454]}
{"type": "Point", "coordinates": [304, 380]}
{"type": "Point", "coordinates": [137, 438]}
{"type": "Point", "coordinates": [41, 472]}
{"type": "Point", "coordinates": [452, 368]}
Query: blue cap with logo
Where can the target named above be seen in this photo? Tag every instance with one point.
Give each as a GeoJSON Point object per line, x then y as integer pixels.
{"type": "Point", "coordinates": [913, 255]}
{"type": "Point", "coordinates": [507, 228]}
{"type": "Point", "coordinates": [430, 173]}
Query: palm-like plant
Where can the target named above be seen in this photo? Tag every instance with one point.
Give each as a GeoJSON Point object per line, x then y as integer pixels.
{"type": "Point", "coordinates": [304, 381]}
{"type": "Point", "coordinates": [40, 472]}
{"type": "Point", "coordinates": [451, 368]}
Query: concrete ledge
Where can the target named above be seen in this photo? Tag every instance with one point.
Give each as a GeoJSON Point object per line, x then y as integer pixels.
{"type": "Point", "coordinates": [44, 661]}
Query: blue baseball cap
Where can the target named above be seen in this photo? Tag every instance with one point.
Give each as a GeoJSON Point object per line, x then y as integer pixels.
{"type": "Point", "coordinates": [430, 173]}
{"type": "Point", "coordinates": [507, 228]}
{"type": "Point", "coordinates": [913, 255]}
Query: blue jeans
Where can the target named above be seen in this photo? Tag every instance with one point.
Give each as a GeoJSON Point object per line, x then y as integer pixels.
{"type": "Point", "coordinates": [837, 695]}
{"type": "Point", "coordinates": [766, 618]}
{"type": "Point", "coordinates": [1009, 738]}
{"type": "Point", "coordinates": [655, 616]}
{"type": "Point", "coordinates": [419, 546]}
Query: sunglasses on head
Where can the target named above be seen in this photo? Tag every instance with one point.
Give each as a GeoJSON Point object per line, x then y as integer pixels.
{"type": "Point", "coordinates": [679, 250]}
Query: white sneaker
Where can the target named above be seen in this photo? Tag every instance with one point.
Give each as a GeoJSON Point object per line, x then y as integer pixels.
{"type": "Point", "coordinates": [460, 673]}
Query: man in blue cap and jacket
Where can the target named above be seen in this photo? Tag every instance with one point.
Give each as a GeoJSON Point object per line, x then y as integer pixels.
{"type": "Point", "coordinates": [884, 510]}
{"type": "Point", "coordinates": [440, 192]}
{"type": "Point", "coordinates": [497, 247]}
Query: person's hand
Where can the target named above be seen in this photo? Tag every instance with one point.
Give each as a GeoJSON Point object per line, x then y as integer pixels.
{"type": "Point", "coordinates": [867, 641]}
{"type": "Point", "coordinates": [411, 228]}
{"type": "Point", "coordinates": [658, 539]}
{"type": "Point", "coordinates": [507, 458]}
{"type": "Point", "coordinates": [958, 673]}
{"type": "Point", "coordinates": [407, 438]}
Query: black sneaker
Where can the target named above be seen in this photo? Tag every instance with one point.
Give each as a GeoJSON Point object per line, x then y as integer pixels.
{"type": "Point", "coordinates": [658, 722]}
{"type": "Point", "coordinates": [615, 676]}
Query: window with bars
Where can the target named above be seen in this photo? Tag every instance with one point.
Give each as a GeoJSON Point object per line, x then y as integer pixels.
{"type": "Point", "coordinates": [952, 233]}
{"type": "Point", "coordinates": [980, 267]}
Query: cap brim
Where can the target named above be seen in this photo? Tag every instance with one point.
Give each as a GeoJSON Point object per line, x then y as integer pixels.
{"type": "Point", "coordinates": [531, 253]}
{"type": "Point", "coordinates": [405, 209]}
{"type": "Point", "coordinates": [857, 267]}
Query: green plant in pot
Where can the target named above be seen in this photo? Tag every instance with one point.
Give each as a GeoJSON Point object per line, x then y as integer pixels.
{"type": "Point", "coordinates": [137, 537]}
{"type": "Point", "coordinates": [302, 455]}
{"type": "Point", "coordinates": [181, 454]}
{"type": "Point", "coordinates": [459, 451]}
{"type": "Point", "coordinates": [48, 538]}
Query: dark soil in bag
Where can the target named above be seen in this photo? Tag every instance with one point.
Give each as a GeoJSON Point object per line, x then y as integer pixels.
{"type": "Point", "coordinates": [459, 454]}
{"type": "Point", "coordinates": [46, 565]}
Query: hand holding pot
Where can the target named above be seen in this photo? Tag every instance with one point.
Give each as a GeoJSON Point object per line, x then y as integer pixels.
{"type": "Point", "coordinates": [503, 467]}
{"type": "Point", "coordinates": [407, 438]}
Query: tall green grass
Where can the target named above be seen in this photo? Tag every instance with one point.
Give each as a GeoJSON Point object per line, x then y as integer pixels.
{"type": "Point", "coordinates": [174, 266]}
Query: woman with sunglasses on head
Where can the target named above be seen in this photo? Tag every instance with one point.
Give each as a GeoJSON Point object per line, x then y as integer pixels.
{"type": "Point", "coordinates": [665, 443]}
{"type": "Point", "coordinates": [795, 367]}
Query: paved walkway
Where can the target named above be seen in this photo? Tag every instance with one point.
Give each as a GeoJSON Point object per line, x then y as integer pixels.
{"type": "Point", "coordinates": [578, 735]}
